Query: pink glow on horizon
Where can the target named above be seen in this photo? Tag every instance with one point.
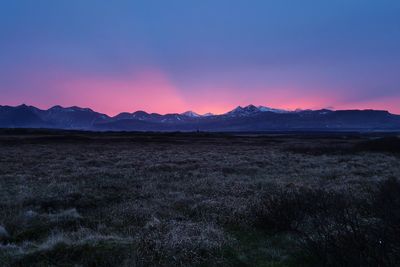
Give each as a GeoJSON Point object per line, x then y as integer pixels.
{"type": "Point", "coordinates": [151, 90]}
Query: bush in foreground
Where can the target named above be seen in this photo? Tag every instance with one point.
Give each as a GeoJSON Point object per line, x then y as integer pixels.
{"type": "Point", "coordinates": [338, 228]}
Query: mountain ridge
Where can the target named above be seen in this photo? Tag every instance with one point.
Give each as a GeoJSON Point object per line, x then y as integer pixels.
{"type": "Point", "coordinates": [247, 118]}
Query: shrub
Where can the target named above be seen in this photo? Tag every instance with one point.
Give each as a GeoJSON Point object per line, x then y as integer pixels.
{"type": "Point", "coordinates": [339, 228]}
{"type": "Point", "coordinates": [176, 243]}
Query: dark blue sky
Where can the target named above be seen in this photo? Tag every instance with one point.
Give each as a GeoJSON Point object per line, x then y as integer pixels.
{"type": "Point", "coordinates": [204, 55]}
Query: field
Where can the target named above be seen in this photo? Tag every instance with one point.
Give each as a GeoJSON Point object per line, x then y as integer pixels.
{"type": "Point", "coordinates": [147, 199]}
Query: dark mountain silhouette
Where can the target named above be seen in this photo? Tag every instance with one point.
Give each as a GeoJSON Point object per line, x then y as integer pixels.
{"type": "Point", "coordinates": [249, 118]}
{"type": "Point", "coordinates": [21, 116]}
{"type": "Point", "coordinates": [24, 116]}
{"type": "Point", "coordinates": [72, 117]}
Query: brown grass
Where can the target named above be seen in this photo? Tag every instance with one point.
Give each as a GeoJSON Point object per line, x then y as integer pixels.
{"type": "Point", "coordinates": [170, 200]}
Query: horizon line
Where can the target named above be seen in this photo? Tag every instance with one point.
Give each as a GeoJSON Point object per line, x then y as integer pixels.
{"type": "Point", "coordinates": [201, 114]}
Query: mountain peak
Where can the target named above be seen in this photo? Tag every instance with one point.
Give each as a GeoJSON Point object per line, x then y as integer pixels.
{"type": "Point", "coordinates": [275, 110]}
{"type": "Point", "coordinates": [76, 108]}
{"type": "Point", "coordinates": [56, 107]}
{"type": "Point", "coordinates": [191, 114]}
{"type": "Point", "coordinates": [243, 111]}
{"type": "Point", "coordinates": [140, 112]}
{"type": "Point", "coordinates": [251, 108]}
{"type": "Point", "coordinates": [247, 118]}
{"type": "Point", "coordinates": [24, 106]}
{"type": "Point", "coordinates": [238, 108]}
{"type": "Point", "coordinates": [69, 109]}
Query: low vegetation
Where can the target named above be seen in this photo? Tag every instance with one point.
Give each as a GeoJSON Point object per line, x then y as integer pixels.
{"type": "Point", "coordinates": [115, 199]}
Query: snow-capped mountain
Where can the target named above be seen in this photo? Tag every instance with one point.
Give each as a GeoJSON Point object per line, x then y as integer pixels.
{"type": "Point", "coordinates": [265, 109]}
{"type": "Point", "coordinates": [243, 111]}
{"type": "Point", "coordinates": [251, 110]}
{"type": "Point", "coordinates": [191, 114]}
{"type": "Point", "coordinates": [248, 118]}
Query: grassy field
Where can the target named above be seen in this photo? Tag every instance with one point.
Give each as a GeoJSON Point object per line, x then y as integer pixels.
{"type": "Point", "coordinates": [120, 199]}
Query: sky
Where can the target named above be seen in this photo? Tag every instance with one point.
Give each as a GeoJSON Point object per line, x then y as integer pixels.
{"type": "Point", "coordinates": [206, 56]}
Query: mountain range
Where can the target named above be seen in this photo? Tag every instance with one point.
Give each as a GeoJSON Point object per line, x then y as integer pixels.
{"type": "Point", "coordinates": [248, 118]}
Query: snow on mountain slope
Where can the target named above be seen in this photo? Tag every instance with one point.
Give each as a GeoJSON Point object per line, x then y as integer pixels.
{"type": "Point", "coordinates": [191, 114]}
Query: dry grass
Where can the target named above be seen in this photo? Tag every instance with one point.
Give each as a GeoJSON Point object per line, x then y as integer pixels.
{"type": "Point", "coordinates": [151, 200]}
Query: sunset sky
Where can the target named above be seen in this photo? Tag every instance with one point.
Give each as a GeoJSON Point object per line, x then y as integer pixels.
{"type": "Point", "coordinates": [207, 56]}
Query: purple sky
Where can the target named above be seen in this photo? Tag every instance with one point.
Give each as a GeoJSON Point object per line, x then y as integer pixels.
{"type": "Point", "coordinates": [172, 56]}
